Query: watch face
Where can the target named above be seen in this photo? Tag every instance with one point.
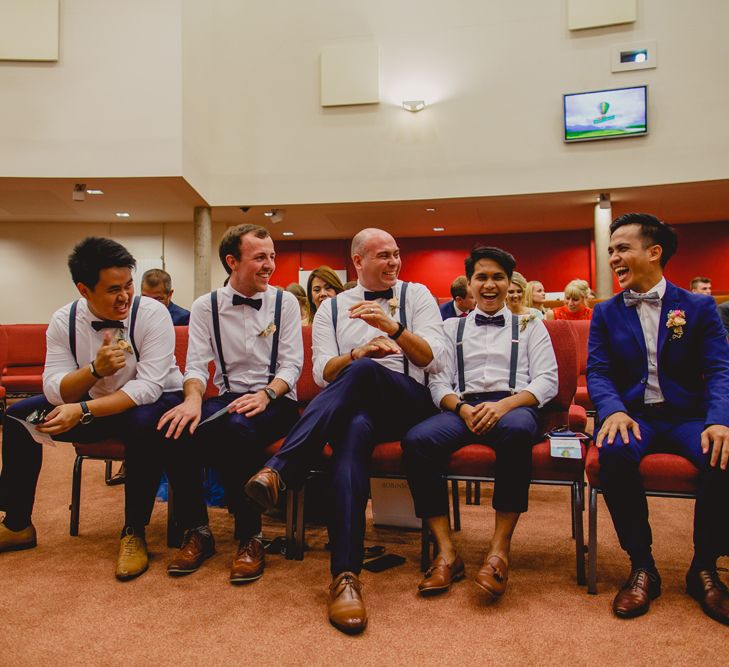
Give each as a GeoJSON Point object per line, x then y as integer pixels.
{"type": "Point", "coordinates": [86, 418]}
{"type": "Point", "coordinates": [270, 393]}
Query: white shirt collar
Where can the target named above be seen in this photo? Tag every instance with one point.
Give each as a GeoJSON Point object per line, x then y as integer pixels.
{"type": "Point", "coordinates": [659, 287]}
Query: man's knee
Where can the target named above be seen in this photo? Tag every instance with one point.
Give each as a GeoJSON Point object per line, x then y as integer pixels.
{"type": "Point", "coordinates": [619, 454]}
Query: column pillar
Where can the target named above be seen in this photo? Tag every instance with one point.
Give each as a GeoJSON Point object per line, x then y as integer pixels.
{"type": "Point", "coordinates": [203, 239]}
{"type": "Point", "coordinates": [603, 274]}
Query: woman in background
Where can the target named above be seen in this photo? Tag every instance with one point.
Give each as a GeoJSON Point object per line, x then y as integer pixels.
{"type": "Point", "coordinates": [576, 294]}
{"type": "Point", "coordinates": [323, 284]}
{"type": "Point", "coordinates": [300, 294]}
{"type": "Point", "coordinates": [534, 297]}
{"type": "Point", "coordinates": [515, 297]}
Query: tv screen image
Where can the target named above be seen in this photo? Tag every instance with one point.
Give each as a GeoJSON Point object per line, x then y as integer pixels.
{"type": "Point", "coordinates": [606, 114]}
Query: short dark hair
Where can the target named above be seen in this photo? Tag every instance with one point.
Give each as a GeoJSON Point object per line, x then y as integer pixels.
{"type": "Point", "coordinates": [699, 279]}
{"type": "Point", "coordinates": [653, 231]}
{"type": "Point", "coordinates": [230, 244]}
{"type": "Point", "coordinates": [504, 259]}
{"type": "Point", "coordinates": [92, 255]}
{"type": "Point", "coordinates": [459, 287]}
{"type": "Point", "coordinates": [156, 277]}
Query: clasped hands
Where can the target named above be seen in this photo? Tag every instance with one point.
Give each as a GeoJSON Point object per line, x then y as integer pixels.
{"type": "Point", "coordinates": [481, 418]}
{"type": "Point", "coordinates": [380, 346]}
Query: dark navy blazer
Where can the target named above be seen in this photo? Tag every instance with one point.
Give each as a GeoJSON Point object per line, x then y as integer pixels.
{"type": "Point", "coordinates": [448, 310]}
{"type": "Point", "coordinates": [693, 370]}
{"type": "Point", "coordinates": [180, 316]}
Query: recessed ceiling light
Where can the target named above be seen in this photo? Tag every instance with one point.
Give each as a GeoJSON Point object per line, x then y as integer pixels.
{"type": "Point", "coordinates": [287, 233]}
{"type": "Point", "coordinates": [269, 214]}
{"type": "Point", "coordinates": [430, 210]}
{"type": "Point", "coordinates": [438, 229]}
{"type": "Point", "coordinates": [122, 214]}
{"type": "Point", "coordinates": [95, 192]}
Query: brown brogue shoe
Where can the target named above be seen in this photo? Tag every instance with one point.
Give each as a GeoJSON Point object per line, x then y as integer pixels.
{"type": "Point", "coordinates": [346, 605]}
{"type": "Point", "coordinates": [493, 575]}
{"type": "Point", "coordinates": [133, 558]}
{"type": "Point", "coordinates": [634, 598]}
{"type": "Point", "coordinates": [248, 563]}
{"type": "Point", "coordinates": [196, 548]}
{"type": "Point", "coordinates": [16, 540]}
{"type": "Point", "coordinates": [441, 575]}
{"type": "Point", "coordinates": [263, 488]}
{"type": "Point", "coordinates": [711, 592]}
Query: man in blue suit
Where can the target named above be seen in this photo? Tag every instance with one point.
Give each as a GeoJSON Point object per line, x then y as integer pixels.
{"type": "Point", "coordinates": [658, 373]}
{"type": "Point", "coordinates": [463, 301]}
{"type": "Point", "coordinates": [157, 284]}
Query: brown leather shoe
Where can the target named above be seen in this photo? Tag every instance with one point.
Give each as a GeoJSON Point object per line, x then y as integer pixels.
{"type": "Point", "coordinates": [196, 548]}
{"type": "Point", "coordinates": [634, 598]}
{"type": "Point", "coordinates": [15, 540]}
{"type": "Point", "coordinates": [493, 575]}
{"type": "Point", "coordinates": [248, 563]}
{"type": "Point", "coordinates": [133, 558]}
{"type": "Point", "coordinates": [441, 575]}
{"type": "Point", "coordinates": [706, 587]}
{"type": "Point", "coordinates": [346, 605]}
{"type": "Point", "coordinates": [263, 488]}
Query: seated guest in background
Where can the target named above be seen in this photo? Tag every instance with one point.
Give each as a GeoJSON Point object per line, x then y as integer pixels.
{"type": "Point", "coordinates": [576, 294]}
{"type": "Point", "coordinates": [110, 372]}
{"type": "Point", "coordinates": [515, 297]}
{"type": "Point", "coordinates": [371, 347]}
{"type": "Point", "coordinates": [323, 284]}
{"type": "Point", "coordinates": [534, 297]}
{"type": "Point", "coordinates": [462, 303]}
{"type": "Point", "coordinates": [658, 373]}
{"type": "Point", "coordinates": [300, 293]}
{"type": "Point", "coordinates": [701, 285]}
{"type": "Point", "coordinates": [253, 332]}
{"type": "Point", "coordinates": [482, 406]}
{"type": "Point", "coordinates": [157, 285]}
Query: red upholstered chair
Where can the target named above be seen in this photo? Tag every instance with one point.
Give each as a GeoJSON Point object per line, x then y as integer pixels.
{"type": "Point", "coordinates": [582, 331]}
{"type": "Point", "coordinates": [665, 475]}
{"type": "Point", "coordinates": [22, 371]}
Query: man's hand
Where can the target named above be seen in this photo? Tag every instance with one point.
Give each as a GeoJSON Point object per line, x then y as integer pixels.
{"type": "Point", "coordinates": [187, 412]}
{"type": "Point", "coordinates": [483, 417]}
{"type": "Point", "coordinates": [718, 436]}
{"type": "Point", "coordinates": [61, 419]}
{"type": "Point", "coordinates": [372, 313]}
{"type": "Point", "coordinates": [109, 358]}
{"type": "Point", "coordinates": [617, 422]}
{"type": "Point", "coordinates": [250, 405]}
{"type": "Point", "coordinates": [376, 348]}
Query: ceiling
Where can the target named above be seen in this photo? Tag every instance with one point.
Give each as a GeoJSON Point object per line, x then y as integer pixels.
{"type": "Point", "coordinates": [172, 199]}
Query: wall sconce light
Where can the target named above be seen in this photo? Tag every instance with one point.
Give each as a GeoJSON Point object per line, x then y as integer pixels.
{"type": "Point", "coordinates": [413, 105]}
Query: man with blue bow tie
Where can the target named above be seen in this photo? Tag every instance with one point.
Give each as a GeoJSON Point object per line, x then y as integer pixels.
{"type": "Point", "coordinates": [658, 374]}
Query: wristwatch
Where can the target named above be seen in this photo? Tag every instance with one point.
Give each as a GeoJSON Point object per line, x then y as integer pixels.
{"type": "Point", "coordinates": [271, 393]}
{"type": "Point", "coordinates": [86, 416]}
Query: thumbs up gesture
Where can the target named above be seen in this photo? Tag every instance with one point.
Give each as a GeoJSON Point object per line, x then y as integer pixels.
{"type": "Point", "coordinates": [109, 357]}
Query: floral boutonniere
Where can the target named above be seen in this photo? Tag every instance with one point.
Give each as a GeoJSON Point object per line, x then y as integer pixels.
{"type": "Point", "coordinates": [123, 343]}
{"type": "Point", "coordinates": [524, 321]}
{"type": "Point", "coordinates": [394, 304]}
{"type": "Point", "coordinates": [676, 322]}
{"type": "Point", "coordinates": [271, 328]}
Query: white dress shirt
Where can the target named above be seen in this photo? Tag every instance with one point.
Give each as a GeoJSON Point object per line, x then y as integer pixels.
{"type": "Point", "coordinates": [247, 354]}
{"type": "Point", "coordinates": [423, 319]}
{"type": "Point", "coordinates": [487, 359]}
{"type": "Point", "coordinates": [143, 381]}
{"type": "Point", "coordinates": [649, 313]}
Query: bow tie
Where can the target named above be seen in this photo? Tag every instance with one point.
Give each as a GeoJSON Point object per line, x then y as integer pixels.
{"type": "Point", "coordinates": [493, 320]}
{"type": "Point", "coordinates": [244, 300]}
{"type": "Point", "coordinates": [107, 324]}
{"type": "Point", "coordinates": [383, 294]}
{"type": "Point", "coordinates": [633, 299]}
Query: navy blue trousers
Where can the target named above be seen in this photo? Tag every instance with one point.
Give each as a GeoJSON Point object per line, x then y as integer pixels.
{"type": "Point", "coordinates": [366, 404]}
{"type": "Point", "coordinates": [234, 445]}
{"type": "Point", "coordinates": [428, 446]}
{"type": "Point", "coordinates": [623, 487]}
{"type": "Point", "coordinates": [136, 427]}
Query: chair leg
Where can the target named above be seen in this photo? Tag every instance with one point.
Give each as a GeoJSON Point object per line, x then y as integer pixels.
{"type": "Point", "coordinates": [300, 525]}
{"type": "Point", "coordinates": [291, 508]}
{"type": "Point", "coordinates": [455, 499]}
{"type": "Point", "coordinates": [469, 492]}
{"type": "Point", "coordinates": [477, 493]}
{"type": "Point", "coordinates": [76, 496]}
{"type": "Point", "coordinates": [107, 471]}
{"type": "Point", "coordinates": [592, 543]}
{"type": "Point", "coordinates": [577, 504]}
{"type": "Point", "coordinates": [174, 534]}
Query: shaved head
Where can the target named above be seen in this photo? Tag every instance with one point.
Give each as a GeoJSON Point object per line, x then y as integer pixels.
{"type": "Point", "coordinates": [365, 238]}
{"type": "Point", "coordinates": [376, 258]}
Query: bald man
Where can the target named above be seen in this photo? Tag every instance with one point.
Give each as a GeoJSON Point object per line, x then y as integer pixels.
{"type": "Point", "coordinates": [371, 348]}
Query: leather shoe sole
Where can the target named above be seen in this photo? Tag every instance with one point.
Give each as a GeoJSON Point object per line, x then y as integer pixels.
{"type": "Point", "coordinates": [181, 570]}
{"type": "Point", "coordinates": [458, 575]}
{"type": "Point", "coordinates": [240, 579]}
{"type": "Point", "coordinates": [260, 494]}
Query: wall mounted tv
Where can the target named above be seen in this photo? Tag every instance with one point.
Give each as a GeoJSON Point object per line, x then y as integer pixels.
{"type": "Point", "coordinates": [606, 114]}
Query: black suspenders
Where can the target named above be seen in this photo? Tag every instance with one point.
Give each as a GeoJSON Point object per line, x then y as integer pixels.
{"type": "Point", "coordinates": [274, 342]}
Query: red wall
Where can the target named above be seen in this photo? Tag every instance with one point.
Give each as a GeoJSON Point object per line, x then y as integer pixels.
{"type": "Point", "coordinates": [555, 258]}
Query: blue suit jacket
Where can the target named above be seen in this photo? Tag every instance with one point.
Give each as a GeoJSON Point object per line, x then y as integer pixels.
{"type": "Point", "coordinates": [447, 310]}
{"type": "Point", "coordinates": [180, 316]}
{"type": "Point", "coordinates": [693, 370]}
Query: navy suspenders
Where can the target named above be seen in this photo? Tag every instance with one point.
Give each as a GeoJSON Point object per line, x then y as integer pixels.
{"type": "Point", "coordinates": [274, 341]}
{"type": "Point", "coordinates": [514, 354]}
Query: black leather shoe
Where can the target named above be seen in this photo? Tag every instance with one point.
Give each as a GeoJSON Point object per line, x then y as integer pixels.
{"type": "Point", "coordinates": [706, 587]}
{"type": "Point", "coordinates": [634, 598]}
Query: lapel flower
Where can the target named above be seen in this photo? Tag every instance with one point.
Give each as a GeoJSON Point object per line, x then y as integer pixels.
{"type": "Point", "coordinates": [271, 328]}
{"type": "Point", "coordinates": [394, 304]}
{"type": "Point", "coordinates": [123, 343]}
{"type": "Point", "coordinates": [524, 321]}
{"type": "Point", "coordinates": [675, 322]}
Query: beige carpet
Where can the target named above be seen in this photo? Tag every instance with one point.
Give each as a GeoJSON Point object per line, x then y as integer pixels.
{"type": "Point", "coordinates": [60, 604]}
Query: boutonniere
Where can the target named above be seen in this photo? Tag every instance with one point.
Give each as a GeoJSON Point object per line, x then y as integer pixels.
{"type": "Point", "coordinates": [122, 343]}
{"type": "Point", "coordinates": [271, 328]}
{"type": "Point", "coordinates": [394, 304]}
{"type": "Point", "coordinates": [676, 322]}
{"type": "Point", "coordinates": [524, 321]}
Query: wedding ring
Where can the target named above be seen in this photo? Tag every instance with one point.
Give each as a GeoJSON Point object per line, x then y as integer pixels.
{"type": "Point", "coordinates": [372, 310]}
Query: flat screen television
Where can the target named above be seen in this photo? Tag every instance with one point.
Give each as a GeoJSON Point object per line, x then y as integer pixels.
{"type": "Point", "coordinates": [606, 114]}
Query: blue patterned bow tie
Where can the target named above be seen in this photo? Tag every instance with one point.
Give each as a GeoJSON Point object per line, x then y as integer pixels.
{"type": "Point", "coordinates": [384, 294]}
{"type": "Point", "coordinates": [633, 299]}
{"type": "Point", "coordinates": [493, 320]}
{"type": "Point", "coordinates": [244, 300]}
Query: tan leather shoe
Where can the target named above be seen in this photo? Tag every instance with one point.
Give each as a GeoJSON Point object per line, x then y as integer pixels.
{"type": "Point", "coordinates": [196, 548]}
{"type": "Point", "coordinates": [493, 575]}
{"type": "Point", "coordinates": [346, 605]}
{"type": "Point", "coordinates": [133, 559]}
{"type": "Point", "coordinates": [634, 598]}
{"type": "Point", "coordinates": [16, 540]}
{"type": "Point", "coordinates": [706, 587]}
{"type": "Point", "coordinates": [248, 563]}
{"type": "Point", "coordinates": [441, 575]}
{"type": "Point", "coordinates": [263, 488]}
